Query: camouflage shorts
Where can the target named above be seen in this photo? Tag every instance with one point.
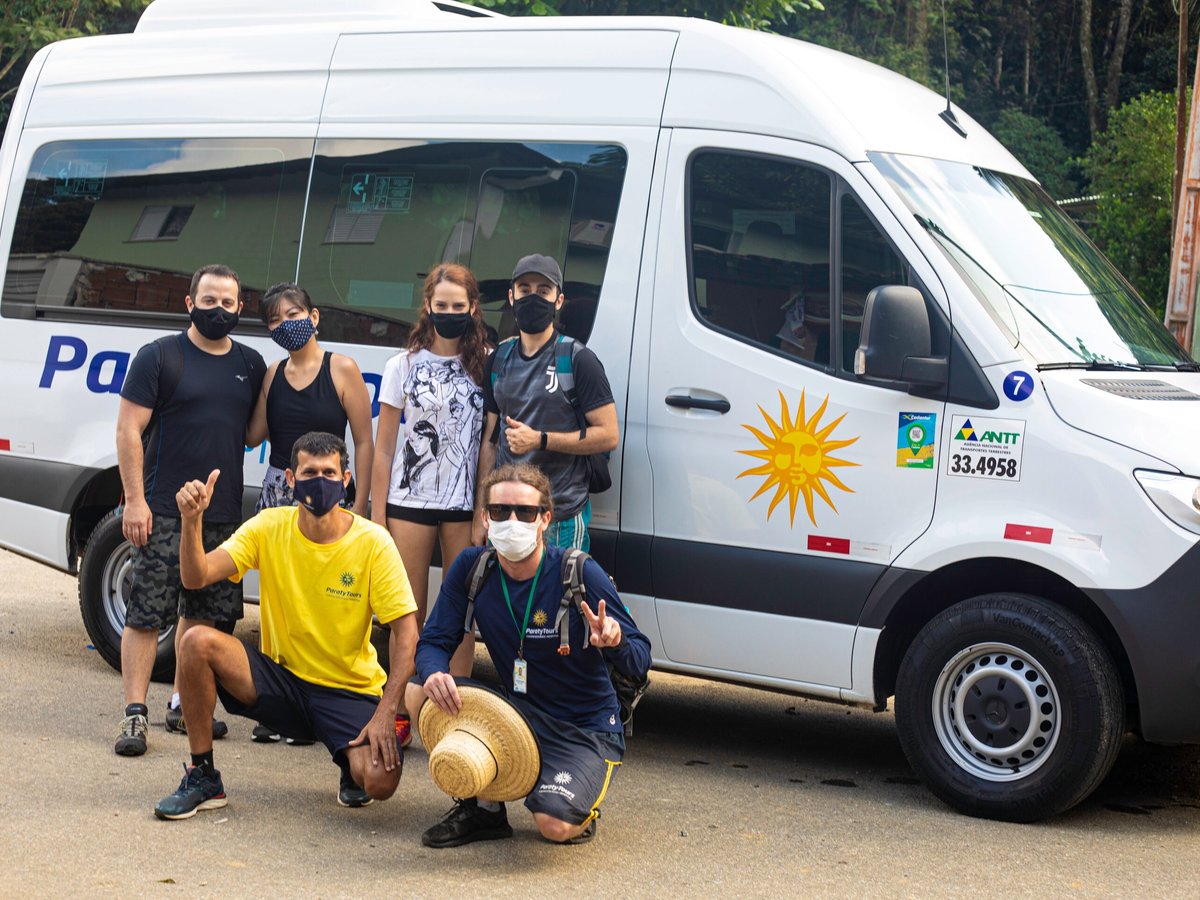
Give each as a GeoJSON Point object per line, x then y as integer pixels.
{"type": "Point", "coordinates": [157, 599]}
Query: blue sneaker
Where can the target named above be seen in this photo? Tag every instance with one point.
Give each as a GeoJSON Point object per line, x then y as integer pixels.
{"type": "Point", "coordinates": [197, 791]}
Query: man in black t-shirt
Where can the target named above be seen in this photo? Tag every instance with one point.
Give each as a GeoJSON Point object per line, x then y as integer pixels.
{"type": "Point", "coordinates": [184, 409]}
{"type": "Point", "coordinates": [521, 386]}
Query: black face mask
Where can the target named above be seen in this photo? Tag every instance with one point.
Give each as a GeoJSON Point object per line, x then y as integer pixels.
{"type": "Point", "coordinates": [534, 314]}
{"type": "Point", "coordinates": [450, 325]}
{"type": "Point", "coordinates": [319, 495]}
{"type": "Point", "coordinates": [214, 323]}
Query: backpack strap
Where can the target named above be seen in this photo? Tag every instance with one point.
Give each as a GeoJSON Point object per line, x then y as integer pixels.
{"type": "Point", "coordinates": [500, 358]}
{"type": "Point", "coordinates": [564, 366]}
{"type": "Point", "coordinates": [480, 569]}
{"type": "Point", "coordinates": [574, 594]}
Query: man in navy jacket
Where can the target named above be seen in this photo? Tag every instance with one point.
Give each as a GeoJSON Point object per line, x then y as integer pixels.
{"type": "Point", "coordinates": [568, 698]}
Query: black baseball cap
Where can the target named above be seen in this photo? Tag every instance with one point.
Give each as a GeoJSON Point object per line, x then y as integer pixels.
{"type": "Point", "coordinates": [536, 264]}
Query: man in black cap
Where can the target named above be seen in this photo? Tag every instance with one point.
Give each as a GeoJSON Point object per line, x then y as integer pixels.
{"type": "Point", "coordinates": [547, 402]}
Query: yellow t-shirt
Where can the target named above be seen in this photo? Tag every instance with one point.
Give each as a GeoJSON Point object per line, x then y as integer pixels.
{"type": "Point", "coordinates": [316, 600]}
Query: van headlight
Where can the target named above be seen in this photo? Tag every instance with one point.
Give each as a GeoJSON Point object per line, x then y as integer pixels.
{"type": "Point", "coordinates": [1176, 496]}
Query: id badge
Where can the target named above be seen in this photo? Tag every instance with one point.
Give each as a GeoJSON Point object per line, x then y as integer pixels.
{"type": "Point", "coordinates": [520, 671]}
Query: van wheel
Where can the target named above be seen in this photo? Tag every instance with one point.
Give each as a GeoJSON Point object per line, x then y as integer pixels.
{"type": "Point", "coordinates": [105, 574]}
{"type": "Point", "coordinates": [1009, 708]}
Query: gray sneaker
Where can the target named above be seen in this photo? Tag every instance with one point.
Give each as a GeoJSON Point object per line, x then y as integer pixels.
{"type": "Point", "coordinates": [132, 739]}
{"type": "Point", "coordinates": [176, 724]}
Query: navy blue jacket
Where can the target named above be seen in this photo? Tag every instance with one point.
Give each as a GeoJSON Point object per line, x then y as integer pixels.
{"type": "Point", "coordinates": [574, 688]}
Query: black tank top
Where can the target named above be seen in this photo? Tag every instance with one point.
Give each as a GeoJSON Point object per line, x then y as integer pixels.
{"type": "Point", "coordinates": [291, 413]}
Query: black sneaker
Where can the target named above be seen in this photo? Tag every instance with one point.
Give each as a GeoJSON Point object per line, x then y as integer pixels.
{"type": "Point", "coordinates": [468, 822]}
{"type": "Point", "coordinates": [132, 739]}
{"type": "Point", "coordinates": [300, 742]}
{"type": "Point", "coordinates": [350, 794]}
{"type": "Point", "coordinates": [264, 735]}
{"type": "Point", "coordinates": [587, 834]}
{"type": "Point", "coordinates": [197, 791]}
{"type": "Point", "coordinates": [176, 725]}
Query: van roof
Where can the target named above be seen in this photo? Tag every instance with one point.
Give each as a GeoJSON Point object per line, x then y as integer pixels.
{"type": "Point", "coordinates": [267, 61]}
{"type": "Point", "coordinates": [190, 15]}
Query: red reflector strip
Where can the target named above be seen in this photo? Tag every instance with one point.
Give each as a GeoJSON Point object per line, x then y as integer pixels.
{"type": "Point", "coordinates": [4, 444]}
{"type": "Point", "coordinates": [1029, 533]}
{"type": "Point", "coordinates": [828, 544]}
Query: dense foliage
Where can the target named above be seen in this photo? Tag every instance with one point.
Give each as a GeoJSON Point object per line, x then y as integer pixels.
{"type": "Point", "coordinates": [1131, 165]}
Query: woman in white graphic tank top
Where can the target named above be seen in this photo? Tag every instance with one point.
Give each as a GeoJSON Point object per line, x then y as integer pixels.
{"type": "Point", "coordinates": [430, 425]}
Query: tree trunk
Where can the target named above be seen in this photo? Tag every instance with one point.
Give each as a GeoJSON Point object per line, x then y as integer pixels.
{"type": "Point", "coordinates": [1120, 42]}
{"type": "Point", "coordinates": [918, 33]}
{"type": "Point", "coordinates": [1091, 91]}
{"type": "Point", "coordinates": [1028, 54]}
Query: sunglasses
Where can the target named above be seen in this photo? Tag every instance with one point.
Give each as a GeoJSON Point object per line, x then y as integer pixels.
{"type": "Point", "coordinates": [500, 512]}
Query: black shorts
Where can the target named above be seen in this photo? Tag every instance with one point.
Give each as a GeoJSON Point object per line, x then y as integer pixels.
{"type": "Point", "coordinates": [156, 596]}
{"type": "Point", "coordinates": [300, 709]}
{"type": "Point", "coordinates": [422, 516]}
{"type": "Point", "coordinates": [577, 767]}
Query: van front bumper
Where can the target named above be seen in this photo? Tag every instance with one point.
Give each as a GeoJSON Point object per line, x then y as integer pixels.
{"type": "Point", "coordinates": [1159, 626]}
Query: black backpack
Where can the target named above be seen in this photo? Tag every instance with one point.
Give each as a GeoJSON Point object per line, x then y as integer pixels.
{"type": "Point", "coordinates": [629, 691]}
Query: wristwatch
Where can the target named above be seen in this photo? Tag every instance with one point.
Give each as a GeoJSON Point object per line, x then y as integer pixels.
{"type": "Point", "coordinates": [545, 437]}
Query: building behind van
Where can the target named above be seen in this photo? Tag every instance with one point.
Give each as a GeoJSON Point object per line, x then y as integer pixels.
{"type": "Point", "coordinates": [891, 425]}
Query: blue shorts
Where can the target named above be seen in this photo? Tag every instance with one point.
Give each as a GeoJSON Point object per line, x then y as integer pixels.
{"type": "Point", "coordinates": [577, 766]}
{"type": "Point", "coordinates": [572, 532]}
{"type": "Point", "coordinates": [296, 708]}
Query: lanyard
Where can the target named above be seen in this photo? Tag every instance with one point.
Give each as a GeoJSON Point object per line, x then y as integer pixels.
{"type": "Point", "coordinates": [528, 606]}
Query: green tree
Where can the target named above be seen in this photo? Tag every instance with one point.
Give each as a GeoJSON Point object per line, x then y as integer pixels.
{"type": "Point", "coordinates": [1040, 148]}
{"type": "Point", "coordinates": [1131, 166]}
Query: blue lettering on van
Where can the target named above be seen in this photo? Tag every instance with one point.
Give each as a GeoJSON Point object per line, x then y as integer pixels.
{"type": "Point", "coordinates": [106, 373]}
{"type": "Point", "coordinates": [57, 361]}
{"type": "Point", "coordinates": [374, 382]}
{"type": "Point", "coordinates": [120, 362]}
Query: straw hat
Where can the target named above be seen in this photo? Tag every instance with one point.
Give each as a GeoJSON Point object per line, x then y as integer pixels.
{"type": "Point", "coordinates": [487, 751]}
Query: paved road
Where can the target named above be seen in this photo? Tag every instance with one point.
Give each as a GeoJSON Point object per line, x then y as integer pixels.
{"type": "Point", "coordinates": [726, 791]}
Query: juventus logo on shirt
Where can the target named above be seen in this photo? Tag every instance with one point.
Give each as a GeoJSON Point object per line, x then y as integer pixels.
{"type": "Point", "coordinates": [552, 380]}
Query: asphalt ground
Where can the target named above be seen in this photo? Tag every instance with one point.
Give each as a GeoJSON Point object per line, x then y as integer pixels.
{"type": "Point", "coordinates": [725, 791]}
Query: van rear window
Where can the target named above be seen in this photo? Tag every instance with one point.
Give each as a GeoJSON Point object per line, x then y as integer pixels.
{"type": "Point", "coordinates": [383, 213]}
{"type": "Point", "coordinates": [116, 228]}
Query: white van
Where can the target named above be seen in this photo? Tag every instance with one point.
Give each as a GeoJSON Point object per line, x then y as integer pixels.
{"type": "Point", "coordinates": [890, 424]}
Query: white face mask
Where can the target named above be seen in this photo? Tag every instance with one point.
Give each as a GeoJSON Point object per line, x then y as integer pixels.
{"type": "Point", "coordinates": [514, 540]}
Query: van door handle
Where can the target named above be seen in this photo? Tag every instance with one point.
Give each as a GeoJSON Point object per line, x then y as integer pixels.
{"type": "Point", "coordinates": [682, 401]}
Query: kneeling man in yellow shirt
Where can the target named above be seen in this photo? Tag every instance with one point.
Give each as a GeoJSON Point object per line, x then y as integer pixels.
{"type": "Point", "coordinates": [324, 571]}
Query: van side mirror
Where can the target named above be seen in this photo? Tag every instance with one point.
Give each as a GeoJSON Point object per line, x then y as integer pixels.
{"type": "Point", "coordinates": [895, 343]}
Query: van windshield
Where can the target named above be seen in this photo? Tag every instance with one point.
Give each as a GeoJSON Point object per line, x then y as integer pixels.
{"type": "Point", "coordinates": [1046, 285]}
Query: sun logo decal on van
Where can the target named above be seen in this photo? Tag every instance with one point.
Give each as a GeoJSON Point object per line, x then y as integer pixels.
{"type": "Point", "coordinates": [796, 458]}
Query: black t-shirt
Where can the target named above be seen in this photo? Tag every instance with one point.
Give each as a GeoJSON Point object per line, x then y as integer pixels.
{"type": "Point", "coordinates": [527, 389]}
{"type": "Point", "coordinates": [200, 428]}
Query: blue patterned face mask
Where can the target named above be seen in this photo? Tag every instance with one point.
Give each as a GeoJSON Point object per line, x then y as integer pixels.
{"type": "Point", "coordinates": [292, 334]}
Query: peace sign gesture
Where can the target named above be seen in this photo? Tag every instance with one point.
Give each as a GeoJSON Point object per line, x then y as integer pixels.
{"type": "Point", "coordinates": [603, 631]}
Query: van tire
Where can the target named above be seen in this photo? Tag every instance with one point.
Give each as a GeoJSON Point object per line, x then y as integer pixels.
{"type": "Point", "coordinates": [105, 573]}
{"type": "Point", "coordinates": [1009, 708]}
{"type": "Point", "coordinates": [104, 576]}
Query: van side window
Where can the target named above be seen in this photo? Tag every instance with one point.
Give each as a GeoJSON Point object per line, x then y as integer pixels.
{"type": "Point", "coordinates": [382, 213]}
{"type": "Point", "coordinates": [760, 230]}
{"type": "Point", "coordinates": [113, 230]}
{"type": "Point", "coordinates": [868, 261]}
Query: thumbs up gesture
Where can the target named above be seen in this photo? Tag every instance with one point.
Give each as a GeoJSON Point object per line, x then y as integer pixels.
{"type": "Point", "coordinates": [193, 498]}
